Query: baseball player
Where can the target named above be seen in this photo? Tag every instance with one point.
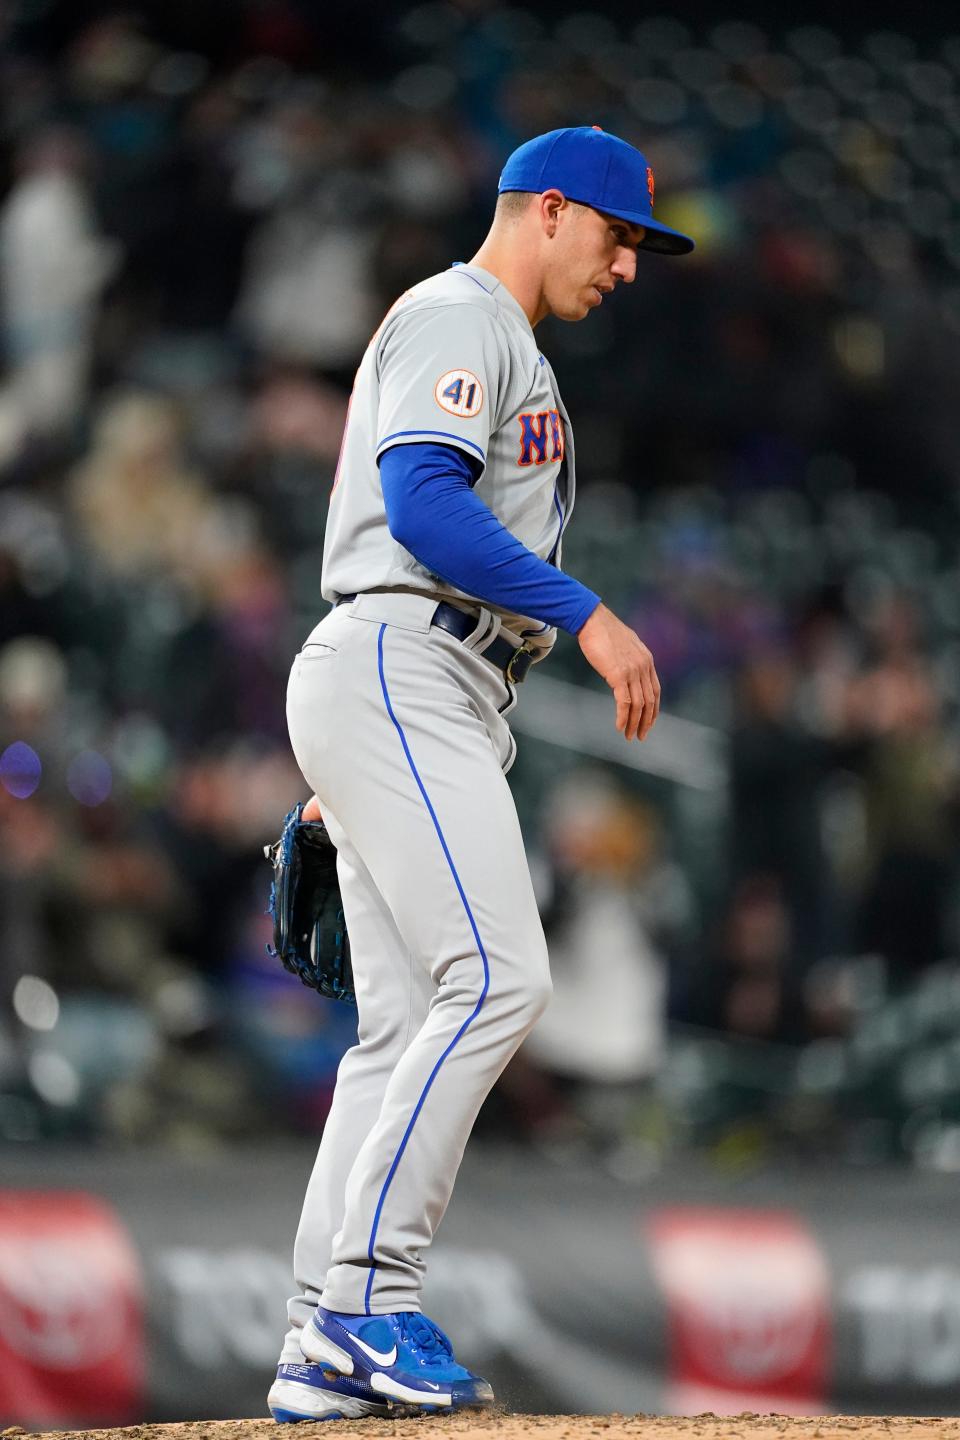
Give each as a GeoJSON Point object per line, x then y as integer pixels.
{"type": "Point", "coordinates": [442, 563]}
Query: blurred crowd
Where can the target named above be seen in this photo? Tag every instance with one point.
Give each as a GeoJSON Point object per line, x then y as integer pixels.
{"type": "Point", "coordinates": [198, 234]}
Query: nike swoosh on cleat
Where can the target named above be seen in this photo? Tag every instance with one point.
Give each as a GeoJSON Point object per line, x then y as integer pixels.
{"type": "Point", "coordinates": [409, 1394]}
{"type": "Point", "coordinates": [379, 1357]}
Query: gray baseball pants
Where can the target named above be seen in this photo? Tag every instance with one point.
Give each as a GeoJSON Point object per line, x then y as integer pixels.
{"type": "Point", "coordinates": [397, 728]}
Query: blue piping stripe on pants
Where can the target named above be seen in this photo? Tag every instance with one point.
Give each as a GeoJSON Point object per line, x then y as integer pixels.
{"type": "Point", "coordinates": [483, 993]}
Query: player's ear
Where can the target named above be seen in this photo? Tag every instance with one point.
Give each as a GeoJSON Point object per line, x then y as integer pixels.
{"type": "Point", "coordinates": [551, 203]}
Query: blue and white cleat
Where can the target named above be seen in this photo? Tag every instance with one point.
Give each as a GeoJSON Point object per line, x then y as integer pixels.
{"type": "Point", "coordinates": [403, 1357]}
{"type": "Point", "coordinates": [314, 1392]}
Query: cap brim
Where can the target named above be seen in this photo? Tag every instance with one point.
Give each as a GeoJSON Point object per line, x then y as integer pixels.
{"type": "Point", "coordinates": [659, 238]}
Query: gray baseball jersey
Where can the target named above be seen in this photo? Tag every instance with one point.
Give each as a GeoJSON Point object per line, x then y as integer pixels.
{"type": "Point", "coordinates": [454, 362]}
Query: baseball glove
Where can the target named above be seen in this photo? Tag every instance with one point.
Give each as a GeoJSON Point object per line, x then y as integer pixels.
{"type": "Point", "coordinates": [309, 934]}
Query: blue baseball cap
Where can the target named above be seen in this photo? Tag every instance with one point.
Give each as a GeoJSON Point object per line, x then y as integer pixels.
{"type": "Point", "coordinates": [594, 168]}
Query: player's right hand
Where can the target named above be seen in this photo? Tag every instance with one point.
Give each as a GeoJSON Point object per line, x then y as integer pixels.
{"type": "Point", "coordinates": [618, 654]}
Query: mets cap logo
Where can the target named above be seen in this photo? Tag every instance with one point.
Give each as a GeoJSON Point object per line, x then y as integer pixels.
{"type": "Point", "coordinates": [650, 184]}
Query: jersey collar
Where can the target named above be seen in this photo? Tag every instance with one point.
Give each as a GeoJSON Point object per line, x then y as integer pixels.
{"type": "Point", "coordinates": [493, 286]}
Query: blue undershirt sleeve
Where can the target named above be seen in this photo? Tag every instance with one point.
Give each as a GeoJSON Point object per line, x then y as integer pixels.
{"type": "Point", "coordinates": [433, 512]}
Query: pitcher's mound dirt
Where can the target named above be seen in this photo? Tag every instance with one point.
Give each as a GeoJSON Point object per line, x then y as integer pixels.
{"type": "Point", "coordinates": [543, 1427]}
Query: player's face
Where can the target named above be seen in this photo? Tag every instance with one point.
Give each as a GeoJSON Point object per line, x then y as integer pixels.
{"type": "Point", "coordinates": [592, 253]}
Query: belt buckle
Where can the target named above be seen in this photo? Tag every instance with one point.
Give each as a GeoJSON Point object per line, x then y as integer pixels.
{"type": "Point", "coordinates": [523, 656]}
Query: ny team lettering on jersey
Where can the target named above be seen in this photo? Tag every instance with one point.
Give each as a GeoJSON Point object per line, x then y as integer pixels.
{"type": "Point", "coordinates": [536, 432]}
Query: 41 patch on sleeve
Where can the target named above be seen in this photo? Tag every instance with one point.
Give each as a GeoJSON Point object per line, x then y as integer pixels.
{"type": "Point", "coordinates": [460, 393]}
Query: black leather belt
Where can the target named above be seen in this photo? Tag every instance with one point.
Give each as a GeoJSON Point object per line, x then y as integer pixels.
{"type": "Point", "coordinates": [512, 661]}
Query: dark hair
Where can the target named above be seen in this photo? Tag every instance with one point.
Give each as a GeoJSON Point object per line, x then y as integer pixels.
{"type": "Point", "coordinates": [512, 203]}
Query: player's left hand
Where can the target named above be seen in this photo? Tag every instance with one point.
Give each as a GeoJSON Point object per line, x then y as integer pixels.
{"type": "Point", "coordinates": [618, 654]}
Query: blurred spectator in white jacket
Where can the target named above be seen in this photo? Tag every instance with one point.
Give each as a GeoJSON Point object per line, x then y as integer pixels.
{"type": "Point", "coordinates": [53, 266]}
{"type": "Point", "coordinates": [617, 909]}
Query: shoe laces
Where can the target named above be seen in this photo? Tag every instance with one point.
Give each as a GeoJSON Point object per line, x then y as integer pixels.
{"type": "Point", "coordinates": [426, 1338]}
